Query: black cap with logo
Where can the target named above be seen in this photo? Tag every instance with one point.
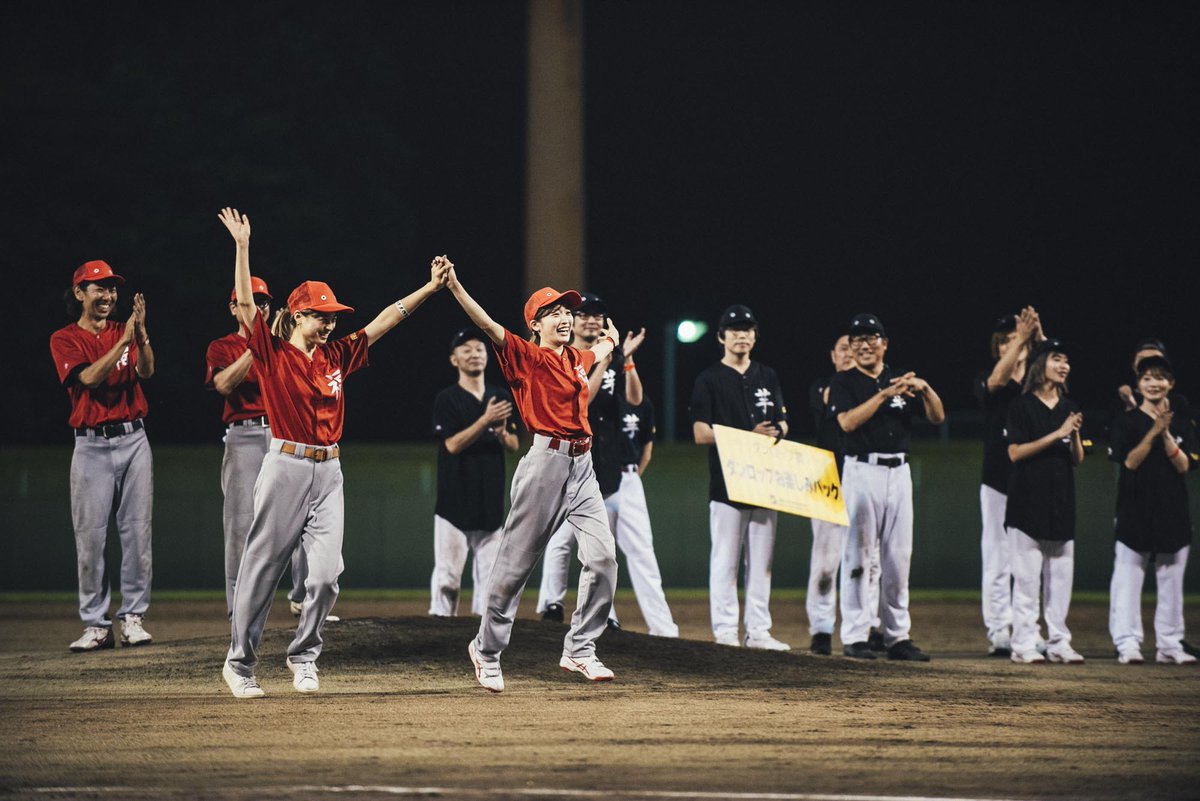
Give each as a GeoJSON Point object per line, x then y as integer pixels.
{"type": "Point", "coordinates": [465, 335]}
{"type": "Point", "coordinates": [592, 304]}
{"type": "Point", "coordinates": [737, 316]}
{"type": "Point", "coordinates": [866, 324]}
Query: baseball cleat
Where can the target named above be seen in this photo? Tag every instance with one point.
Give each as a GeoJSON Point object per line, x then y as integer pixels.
{"type": "Point", "coordinates": [1027, 657]}
{"type": "Point", "coordinates": [304, 676]}
{"type": "Point", "coordinates": [132, 632]}
{"type": "Point", "coordinates": [875, 641]}
{"type": "Point", "coordinates": [589, 667]}
{"type": "Point", "coordinates": [553, 613]}
{"type": "Point", "coordinates": [95, 638]}
{"type": "Point", "coordinates": [613, 625]}
{"type": "Point", "coordinates": [1064, 655]}
{"type": "Point", "coordinates": [1175, 656]}
{"type": "Point", "coordinates": [1130, 657]}
{"type": "Point", "coordinates": [1191, 650]}
{"type": "Point", "coordinates": [240, 686]}
{"type": "Point", "coordinates": [822, 644]}
{"type": "Point", "coordinates": [907, 650]}
{"type": "Point", "coordinates": [858, 650]}
{"type": "Point", "coordinates": [765, 642]}
{"type": "Point", "coordinates": [489, 676]}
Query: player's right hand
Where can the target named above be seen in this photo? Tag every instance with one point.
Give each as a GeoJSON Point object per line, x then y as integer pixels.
{"type": "Point", "coordinates": [237, 223]}
{"type": "Point", "coordinates": [1071, 425]}
{"type": "Point", "coordinates": [497, 411]}
{"type": "Point", "coordinates": [767, 428]}
{"type": "Point", "coordinates": [439, 271]}
{"type": "Point", "coordinates": [899, 386]}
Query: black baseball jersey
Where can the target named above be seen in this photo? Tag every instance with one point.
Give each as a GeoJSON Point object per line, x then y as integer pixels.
{"type": "Point", "coordinates": [470, 492]}
{"type": "Point", "coordinates": [1041, 488]}
{"type": "Point", "coordinates": [996, 464]}
{"type": "Point", "coordinates": [604, 416]}
{"type": "Point", "coordinates": [637, 429]}
{"type": "Point", "coordinates": [829, 433]}
{"type": "Point", "coordinates": [723, 396]}
{"type": "Point", "coordinates": [1152, 501]}
{"type": "Point", "coordinates": [889, 429]}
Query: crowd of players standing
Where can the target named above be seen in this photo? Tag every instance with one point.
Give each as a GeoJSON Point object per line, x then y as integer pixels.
{"type": "Point", "coordinates": [575, 386]}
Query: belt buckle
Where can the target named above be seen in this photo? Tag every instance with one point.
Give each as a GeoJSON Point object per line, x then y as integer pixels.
{"type": "Point", "coordinates": [319, 454]}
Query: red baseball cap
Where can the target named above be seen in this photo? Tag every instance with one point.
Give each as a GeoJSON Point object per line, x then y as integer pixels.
{"type": "Point", "coordinates": [315, 295]}
{"type": "Point", "coordinates": [257, 287]}
{"type": "Point", "coordinates": [548, 296]}
{"type": "Point", "coordinates": [95, 271]}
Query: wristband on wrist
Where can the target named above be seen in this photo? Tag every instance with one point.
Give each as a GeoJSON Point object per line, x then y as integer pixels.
{"type": "Point", "coordinates": [613, 341]}
{"type": "Point", "coordinates": [1174, 454]}
{"type": "Point", "coordinates": [630, 366]}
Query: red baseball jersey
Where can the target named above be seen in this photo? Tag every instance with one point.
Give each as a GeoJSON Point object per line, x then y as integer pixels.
{"type": "Point", "coordinates": [304, 398]}
{"type": "Point", "coordinates": [119, 397]}
{"type": "Point", "coordinates": [246, 400]}
{"type": "Point", "coordinates": [551, 389]}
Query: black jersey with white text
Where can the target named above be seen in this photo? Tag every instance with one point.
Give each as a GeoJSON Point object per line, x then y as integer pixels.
{"type": "Point", "coordinates": [637, 429]}
{"type": "Point", "coordinates": [604, 416]}
{"type": "Point", "coordinates": [889, 430]}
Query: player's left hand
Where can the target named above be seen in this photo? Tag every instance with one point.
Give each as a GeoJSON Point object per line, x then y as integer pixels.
{"type": "Point", "coordinates": [632, 342]}
{"type": "Point", "coordinates": [439, 271]}
{"type": "Point", "coordinates": [767, 429]}
{"type": "Point", "coordinates": [139, 317]}
{"type": "Point", "coordinates": [609, 330]}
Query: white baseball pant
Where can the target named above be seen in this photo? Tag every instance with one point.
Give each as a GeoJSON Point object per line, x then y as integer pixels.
{"type": "Point", "coordinates": [1125, 598]}
{"type": "Point", "coordinates": [550, 488]}
{"type": "Point", "coordinates": [104, 471]}
{"type": "Point", "coordinates": [297, 501]}
{"type": "Point", "coordinates": [820, 602]}
{"type": "Point", "coordinates": [879, 504]}
{"type": "Point", "coordinates": [747, 537]}
{"type": "Point", "coordinates": [1048, 566]}
{"type": "Point", "coordinates": [450, 548]}
{"type": "Point", "coordinates": [995, 550]}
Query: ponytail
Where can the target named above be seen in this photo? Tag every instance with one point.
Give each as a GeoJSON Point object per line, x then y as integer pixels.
{"type": "Point", "coordinates": [284, 324]}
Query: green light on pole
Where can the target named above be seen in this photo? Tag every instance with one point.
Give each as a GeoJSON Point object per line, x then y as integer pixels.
{"type": "Point", "coordinates": [690, 331]}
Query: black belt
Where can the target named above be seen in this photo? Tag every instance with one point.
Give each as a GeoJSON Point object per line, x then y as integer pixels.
{"type": "Point", "coordinates": [629, 468]}
{"type": "Point", "coordinates": [110, 430]}
{"type": "Point", "coordinates": [251, 421]}
{"type": "Point", "coordinates": [882, 461]}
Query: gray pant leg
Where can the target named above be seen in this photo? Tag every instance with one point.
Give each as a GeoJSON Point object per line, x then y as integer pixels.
{"type": "Point", "coordinates": [245, 447]}
{"type": "Point", "coordinates": [538, 508]}
{"type": "Point", "coordinates": [322, 546]}
{"type": "Point", "coordinates": [597, 552]}
{"type": "Point", "coordinates": [135, 509]}
{"type": "Point", "coordinates": [299, 574]}
{"type": "Point", "coordinates": [93, 484]}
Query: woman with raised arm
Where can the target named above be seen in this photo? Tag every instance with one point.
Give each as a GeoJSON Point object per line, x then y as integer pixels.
{"type": "Point", "coordinates": [1045, 447]}
{"type": "Point", "coordinates": [553, 483]}
{"type": "Point", "coordinates": [298, 495]}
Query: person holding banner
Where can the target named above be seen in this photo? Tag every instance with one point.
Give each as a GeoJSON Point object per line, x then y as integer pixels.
{"type": "Point", "coordinates": [874, 406]}
{"type": "Point", "coordinates": [739, 393]}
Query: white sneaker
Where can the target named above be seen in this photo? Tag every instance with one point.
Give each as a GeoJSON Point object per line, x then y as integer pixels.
{"type": "Point", "coordinates": [240, 686]}
{"type": "Point", "coordinates": [488, 675]}
{"type": "Point", "coordinates": [1041, 645]}
{"type": "Point", "coordinates": [1000, 646]}
{"type": "Point", "coordinates": [297, 607]}
{"type": "Point", "coordinates": [589, 667]}
{"type": "Point", "coordinates": [1176, 656]}
{"type": "Point", "coordinates": [1027, 657]}
{"type": "Point", "coordinates": [332, 619]}
{"type": "Point", "coordinates": [1130, 657]}
{"type": "Point", "coordinates": [95, 638]}
{"type": "Point", "coordinates": [766, 642]}
{"type": "Point", "coordinates": [304, 676]}
{"type": "Point", "coordinates": [132, 632]}
{"type": "Point", "coordinates": [1064, 655]}
{"type": "Point", "coordinates": [728, 639]}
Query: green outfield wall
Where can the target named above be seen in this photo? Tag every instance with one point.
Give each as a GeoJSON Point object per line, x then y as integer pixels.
{"type": "Point", "coordinates": [389, 512]}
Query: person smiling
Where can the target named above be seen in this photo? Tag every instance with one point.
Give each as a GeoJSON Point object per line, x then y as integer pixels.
{"type": "Point", "coordinates": [554, 483]}
{"type": "Point", "coordinates": [1044, 445]}
{"type": "Point", "coordinates": [298, 496]}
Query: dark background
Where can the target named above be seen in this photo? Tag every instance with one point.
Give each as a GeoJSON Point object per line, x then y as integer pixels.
{"type": "Point", "coordinates": [938, 165]}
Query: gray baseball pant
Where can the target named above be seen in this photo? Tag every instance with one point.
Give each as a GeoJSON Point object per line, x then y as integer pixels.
{"type": "Point", "coordinates": [296, 501]}
{"type": "Point", "coordinates": [107, 472]}
{"type": "Point", "coordinates": [548, 489]}
{"type": "Point", "coordinates": [245, 447]}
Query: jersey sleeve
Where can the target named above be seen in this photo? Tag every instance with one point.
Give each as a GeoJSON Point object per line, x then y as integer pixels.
{"type": "Point", "coordinates": [350, 352]}
{"type": "Point", "coordinates": [780, 414]}
{"type": "Point", "coordinates": [1017, 426]}
{"type": "Point", "coordinates": [219, 356]}
{"type": "Point", "coordinates": [514, 419]}
{"type": "Point", "coordinates": [1121, 436]}
{"type": "Point", "coordinates": [514, 358]}
{"type": "Point", "coordinates": [981, 390]}
{"type": "Point", "coordinates": [68, 355]}
{"type": "Point", "coordinates": [261, 343]}
{"type": "Point", "coordinates": [587, 359]}
{"type": "Point", "coordinates": [649, 427]}
{"type": "Point", "coordinates": [702, 400]}
{"type": "Point", "coordinates": [840, 399]}
{"type": "Point", "coordinates": [446, 420]}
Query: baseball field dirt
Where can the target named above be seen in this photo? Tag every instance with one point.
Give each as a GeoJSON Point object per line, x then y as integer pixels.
{"type": "Point", "coordinates": [400, 714]}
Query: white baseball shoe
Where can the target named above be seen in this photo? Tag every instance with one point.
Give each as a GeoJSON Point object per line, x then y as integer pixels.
{"type": "Point", "coordinates": [1027, 657]}
{"type": "Point", "coordinates": [1064, 655]}
{"type": "Point", "coordinates": [304, 676]}
{"type": "Point", "coordinates": [1130, 657]}
{"type": "Point", "coordinates": [765, 642]}
{"type": "Point", "coordinates": [1175, 656]}
{"type": "Point", "coordinates": [728, 639]}
{"type": "Point", "coordinates": [488, 675]}
{"type": "Point", "coordinates": [132, 632]}
{"type": "Point", "coordinates": [240, 686]}
{"type": "Point", "coordinates": [589, 667]}
{"type": "Point", "coordinates": [95, 638]}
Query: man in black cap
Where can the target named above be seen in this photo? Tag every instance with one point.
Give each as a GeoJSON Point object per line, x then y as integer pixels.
{"type": "Point", "coordinates": [874, 406]}
{"type": "Point", "coordinates": [745, 394]}
{"type": "Point", "coordinates": [475, 425]}
{"type": "Point", "coordinates": [611, 379]}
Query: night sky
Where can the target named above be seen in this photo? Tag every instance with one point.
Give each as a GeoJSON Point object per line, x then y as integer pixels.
{"type": "Point", "coordinates": [938, 165]}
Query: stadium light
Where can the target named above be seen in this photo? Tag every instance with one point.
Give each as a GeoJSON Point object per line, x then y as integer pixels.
{"type": "Point", "coordinates": [686, 332]}
{"type": "Point", "coordinates": [690, 331]}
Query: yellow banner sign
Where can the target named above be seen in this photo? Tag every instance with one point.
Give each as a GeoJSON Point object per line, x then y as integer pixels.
{"type": "Point", "coordinates": [785, 476]}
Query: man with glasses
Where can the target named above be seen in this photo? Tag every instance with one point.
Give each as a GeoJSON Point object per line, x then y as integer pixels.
{"type": "Point", "coordinates": [874, 406]}
{"type": "Point", "coordinates": [102, 364]}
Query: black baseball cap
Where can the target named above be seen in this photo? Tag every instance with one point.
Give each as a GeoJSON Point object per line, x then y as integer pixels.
{"type": "Point", "coordinates": [592, 304]}
{"type": "Point", "coordinates": [465, 335]}
{"type": "Point", "coordinates": [737, 316]}
{"type": "Point", "coordinates": [1151, 362]}
{"type": "Point", "coordinates": [1051, 345]}
{"type": "Point", "coordinates": [1005, 324]}
{"type": "Point", "coordinates": [1150, 343]}
{"type": "Point", "coordinates": [866, 323]}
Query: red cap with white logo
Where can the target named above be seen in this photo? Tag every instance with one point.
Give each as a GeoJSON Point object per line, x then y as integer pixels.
{"type": "Point", "coordinates": [257, 287]}
{"type": "Point", "coordinates": [547, 296]}
{"type": "Point", "coordinates": [315, 295]}
{"type": "Point", "coordinates": [95, 271]}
